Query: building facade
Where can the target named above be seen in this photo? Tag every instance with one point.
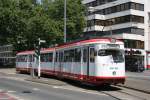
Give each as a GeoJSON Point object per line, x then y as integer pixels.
{"type": "Point", "coordinates": [127, 20]}
{"type": "Point", "coordinates": [7, 56]}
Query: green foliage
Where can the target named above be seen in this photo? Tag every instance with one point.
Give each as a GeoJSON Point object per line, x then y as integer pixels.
{"type": "Point", "coordinates": [22, 22]}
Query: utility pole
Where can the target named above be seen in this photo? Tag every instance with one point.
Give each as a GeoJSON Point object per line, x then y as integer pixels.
{"type": "Point", "coordinates": [113, 40]}
{"type": "Point", "coordinates": [65, 37]}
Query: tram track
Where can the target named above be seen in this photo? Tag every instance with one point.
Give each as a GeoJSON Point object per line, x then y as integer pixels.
{"type": "Point", "coordinates": [144, 91]}
{"type": "Point", "coordinates": [127, 94]}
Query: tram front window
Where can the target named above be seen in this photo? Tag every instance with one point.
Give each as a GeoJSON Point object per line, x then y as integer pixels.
{"type": "Point", "coordinates": [117, 55]}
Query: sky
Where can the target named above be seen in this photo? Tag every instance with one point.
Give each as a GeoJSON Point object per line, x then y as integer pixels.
{"type": "Point", "coordinates": [39, 1]}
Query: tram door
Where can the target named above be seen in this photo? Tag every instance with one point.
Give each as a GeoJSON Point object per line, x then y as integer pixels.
{"type": "Point", "coordinates": [88, 60]}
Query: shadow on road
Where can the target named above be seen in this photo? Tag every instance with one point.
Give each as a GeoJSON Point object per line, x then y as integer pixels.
{"type": "Point", "coordinates": [91, 87]}
{"type": "Point", "coordinates": [54, 79]}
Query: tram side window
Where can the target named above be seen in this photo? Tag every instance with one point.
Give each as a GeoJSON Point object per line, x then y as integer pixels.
{"type": "Point", "coordinates": [56, 57]}
{"type": "Point", "coordinates": [69, 55]}
{"type": "Point", "coordinates": [92, 54]}
{"type": "Point", "coordinates": [61, 56]}
{"type": "Point", "coordinates": [30, 58]}
{"type": "Point", "coordinates": [47, 57]}
{"type": "Point", "coordinates": [77, 55]}
{"type": "Point", "coordinates": [18, 59]}
{"type": "Point", "coordinates": [25, 58]}
{"type": "Point", "coordinates": [22, 58]}
{"type": "Point", "coordinates": [33, 58]}
{"type": "Point", "coordinates": [72, 55]}
{"type": "Point", "coordinates": [66, 56]}
{"type": "Point", "coordinates": [85, 55]}
{"type": "Point", "coordinates": [50, 57]}
{"type": "Point", "coordinates": [42, 57]}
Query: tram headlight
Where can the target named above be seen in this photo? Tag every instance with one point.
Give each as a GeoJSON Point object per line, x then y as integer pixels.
{"type": "Point", "coordinates": [114, 72]}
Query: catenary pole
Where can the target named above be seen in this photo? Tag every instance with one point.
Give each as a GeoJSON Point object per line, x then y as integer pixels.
{"type": "Point", "coordinates": [39, 62]}
{"type": "Point", "coordinates": [65, 21]}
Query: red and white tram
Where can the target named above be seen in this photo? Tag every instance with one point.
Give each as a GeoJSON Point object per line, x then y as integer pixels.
{"type": "Point", "coordinates": [95, 61]}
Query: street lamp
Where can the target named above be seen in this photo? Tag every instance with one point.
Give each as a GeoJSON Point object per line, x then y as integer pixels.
{"type": "Point", "coordinates": [65, 20]}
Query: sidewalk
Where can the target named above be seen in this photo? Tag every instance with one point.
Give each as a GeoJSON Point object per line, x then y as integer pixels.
{"type": "Point", "coordinates": [8, 70]}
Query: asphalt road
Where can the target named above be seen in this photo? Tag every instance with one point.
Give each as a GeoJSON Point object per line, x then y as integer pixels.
{"type": "Point", "coordinates": [24, 90]}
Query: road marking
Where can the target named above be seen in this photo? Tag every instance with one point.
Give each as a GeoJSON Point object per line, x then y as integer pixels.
{"type": "Point", "coordinates": [35, 89]}
{"type": "Point", "coordinates": [56, 87]}
{"type": "Point", "coordinates": [11, 91]}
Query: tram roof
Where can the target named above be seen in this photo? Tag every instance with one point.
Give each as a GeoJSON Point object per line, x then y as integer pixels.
{"type": "Point", "coordinates": [88, 41]}
{"type": "Point", "coordinates": [74, 43]}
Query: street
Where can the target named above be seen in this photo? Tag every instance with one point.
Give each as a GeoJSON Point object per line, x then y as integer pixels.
{"type": "Point", "coordinates": [25, 90]}
{"type": "Point", "coordinates": [23, 87]}
{"type": "Point", "coordinates": [74, 49]}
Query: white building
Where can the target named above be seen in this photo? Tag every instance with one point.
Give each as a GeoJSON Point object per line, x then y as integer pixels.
{"type": "Point", "coordinates": [127, 20]}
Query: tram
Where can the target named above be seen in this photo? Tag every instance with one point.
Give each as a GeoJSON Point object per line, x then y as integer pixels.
{"type": "Point", "coordinates": [95, 61]}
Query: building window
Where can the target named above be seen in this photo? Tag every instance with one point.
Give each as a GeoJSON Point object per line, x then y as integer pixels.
{"type": "Point", "coordinates": [126, 6]}
{"type": "Point", "coordinates": [135, 44]}
{"type": "Point", "coordinates": [121, 7]}
{"type": "Point", "coordinates": [117, 20]}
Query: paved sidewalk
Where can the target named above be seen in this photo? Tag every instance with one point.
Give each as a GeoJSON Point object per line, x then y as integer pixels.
{"type": "Point", "coordinates": [8, 70]}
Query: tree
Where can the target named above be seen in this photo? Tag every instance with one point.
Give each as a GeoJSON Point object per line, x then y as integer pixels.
{"type": "Point", "coordinates": [22, 22]}
{"type": "Point", "coordinates": [75, 16]}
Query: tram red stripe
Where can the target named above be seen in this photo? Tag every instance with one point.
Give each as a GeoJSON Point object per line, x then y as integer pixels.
{"type": "Point", "coordinates": [66, 73]}
{"type": "Point", "coordinates": [148, 66]}
{"type": "Point", "coordinates": [97, 80]}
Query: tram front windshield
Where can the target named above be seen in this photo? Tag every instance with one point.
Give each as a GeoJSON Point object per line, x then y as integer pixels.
{"type": "Point", "coordinates": [117, 55]}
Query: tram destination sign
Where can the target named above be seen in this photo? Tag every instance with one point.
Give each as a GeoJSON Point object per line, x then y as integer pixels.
{"type": "Point", "coordinates": [113, 46]}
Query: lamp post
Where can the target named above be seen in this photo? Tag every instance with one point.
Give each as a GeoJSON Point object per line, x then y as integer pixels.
{"type": "Point", "coordinates": [65, 20]}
